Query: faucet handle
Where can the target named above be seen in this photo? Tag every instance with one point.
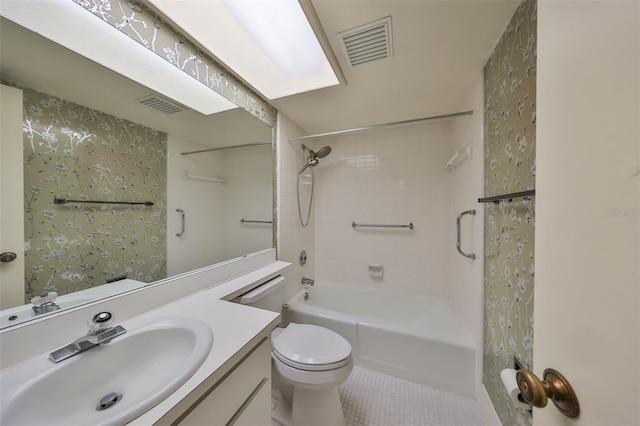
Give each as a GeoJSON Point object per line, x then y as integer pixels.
{"type": "Point", "coordinates": [99, 322]}
{"type": "Point", "coordinates": [102, 317]}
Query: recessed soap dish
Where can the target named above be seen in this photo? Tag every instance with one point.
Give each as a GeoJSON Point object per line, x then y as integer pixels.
{"type": "Point", "coordinates": [376, 270]}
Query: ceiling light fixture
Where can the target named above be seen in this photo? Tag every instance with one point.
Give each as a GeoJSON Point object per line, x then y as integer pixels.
{"type": "Point", "coordinates": [281, 29]}
{"type": "Point", "coordinates": [268, 43]}
{"type": "Point", "coordinates": [75, 28]}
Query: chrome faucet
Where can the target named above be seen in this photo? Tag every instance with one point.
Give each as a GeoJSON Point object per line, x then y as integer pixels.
{"type": "Point", "coordinates": [307, 281]}
{"type": "Point", "coordinates": [45, 303]}
{"type": "Point", "coordinates": [99, 332]}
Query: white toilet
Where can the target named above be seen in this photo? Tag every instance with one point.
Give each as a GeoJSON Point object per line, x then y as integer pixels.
{"type": "Point", "coordinates": [312, 359]}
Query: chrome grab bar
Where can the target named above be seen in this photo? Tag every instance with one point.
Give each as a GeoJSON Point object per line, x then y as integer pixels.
{"type": "Point", "coordinates": [372, 225]}
{"type": "Point", "coordinates": [469, 255]}
{"type": "Point", "coordinates": [182, 221]}
{"type": "Point", "coordinates": [243, 220]}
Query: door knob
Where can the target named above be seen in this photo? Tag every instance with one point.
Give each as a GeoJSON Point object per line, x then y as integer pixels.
{"type": "Point", "coordinates": [7, 256]}
{"type": "Point", "coordinates": [554, 387]}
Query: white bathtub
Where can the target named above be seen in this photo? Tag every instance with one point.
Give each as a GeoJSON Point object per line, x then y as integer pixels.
{"type": "Point", "coordinates": [416, 338]}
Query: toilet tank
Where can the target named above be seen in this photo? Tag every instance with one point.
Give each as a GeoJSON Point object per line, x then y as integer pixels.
{"type": "Point", "coordinates": [269, 295]}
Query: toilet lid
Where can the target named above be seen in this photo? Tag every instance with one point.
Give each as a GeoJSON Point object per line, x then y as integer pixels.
{"type": "Point", "coordinates": [311, 345]}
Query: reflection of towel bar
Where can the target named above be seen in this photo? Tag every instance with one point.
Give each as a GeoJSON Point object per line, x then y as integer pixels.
{"type": "Point", "coordinates": [188, 175]}
{"type": "Point", "coordinates": [255, 221]}
{"type": "Point", "coordinates": [373, 225]}
{"type": "Point", "coordinates": [182, 221]}
{"type": "Point", "coordinates": [65, 201]}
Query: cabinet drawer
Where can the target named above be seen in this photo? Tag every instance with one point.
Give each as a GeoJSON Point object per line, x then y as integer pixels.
{"type": "Point", "coordinates": [255, 411]}
{"type": "Point", "coordinates": [241, 395]}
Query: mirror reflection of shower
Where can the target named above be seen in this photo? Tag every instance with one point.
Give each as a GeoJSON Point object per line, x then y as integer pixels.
{"type": "Point", "coordinates": [312, 160]}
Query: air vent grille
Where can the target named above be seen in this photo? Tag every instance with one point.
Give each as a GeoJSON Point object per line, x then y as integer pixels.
{"type": "Point", "coordinates": [161, 104]}
{"type": "Point", "coordinates": [368, 43]}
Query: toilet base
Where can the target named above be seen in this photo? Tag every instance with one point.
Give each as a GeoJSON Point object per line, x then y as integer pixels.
{"type": "Point", "coordinates": [311, 408]}
{"type": "Point", "coordinates": [281, 411]}
{"type": "Point", "coordinates": [320, 407]}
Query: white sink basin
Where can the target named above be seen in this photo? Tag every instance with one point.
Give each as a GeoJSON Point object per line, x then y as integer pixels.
{"type": "Point", "coordinates": [145, 365]}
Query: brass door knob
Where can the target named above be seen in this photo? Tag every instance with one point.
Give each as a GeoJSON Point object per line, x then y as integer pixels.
{"type": "Point", "coordinates": [7, 256]}
{"type": "Point", "coordinates": [554, 387]}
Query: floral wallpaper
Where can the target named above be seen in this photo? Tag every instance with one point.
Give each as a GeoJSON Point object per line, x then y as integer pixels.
{"type": "Point", "coordinates": [146, 28]}
{"type": "Point", "coordinates": [510, 120]}
{"type": "Point", "coordinates": [77, 153]}
{"type": "Point", "coordinates": [510, 107]}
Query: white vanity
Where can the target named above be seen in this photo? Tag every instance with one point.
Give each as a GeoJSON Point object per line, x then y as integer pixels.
{"type": "Point", "coordinates": [232, 384]}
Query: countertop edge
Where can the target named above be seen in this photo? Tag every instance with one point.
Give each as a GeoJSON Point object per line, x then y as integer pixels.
{"type": "Point", "coordinates": [253, 325]}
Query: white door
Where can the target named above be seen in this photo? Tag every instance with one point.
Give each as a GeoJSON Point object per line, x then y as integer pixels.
{"type": "Point", "coordinates": [11, 197]}
{"type": "Point", "coordinates": [587, 294]}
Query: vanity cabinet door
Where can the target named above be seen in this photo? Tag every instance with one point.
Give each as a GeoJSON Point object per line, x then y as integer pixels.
{"type": "Point", "coordinates": [242, 398]}
{"type": "Point", "coordinates": [252, 413]}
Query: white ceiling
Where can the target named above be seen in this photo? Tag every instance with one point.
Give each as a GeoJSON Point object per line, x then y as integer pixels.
{"type": "Point", "coordinates": [440, 47]}
{"type": "Point", "coordinates": [28, 59]}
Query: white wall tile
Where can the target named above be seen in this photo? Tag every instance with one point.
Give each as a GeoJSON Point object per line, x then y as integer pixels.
{"type": "Point", "coordinates": [213, 211]}
{"type": "Point", "coordinates": [467, 286]}
{"type": "Point", "coordinates": [390, 176]}
{"type": "Point", "coordinates": [291, 236]}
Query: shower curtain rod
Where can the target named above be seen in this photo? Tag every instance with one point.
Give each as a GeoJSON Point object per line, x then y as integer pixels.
{"type": "Point", "coordinates": [227, 147]}
{"type": "Point", "coordinates": [383, 126]}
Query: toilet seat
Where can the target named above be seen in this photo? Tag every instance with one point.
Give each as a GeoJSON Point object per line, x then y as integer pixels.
{"type": "Point", "coordinates": [311, 348]}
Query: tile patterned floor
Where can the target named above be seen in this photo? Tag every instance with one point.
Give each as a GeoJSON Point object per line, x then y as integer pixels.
{"type": "Point", "coordinates": [374, 399]}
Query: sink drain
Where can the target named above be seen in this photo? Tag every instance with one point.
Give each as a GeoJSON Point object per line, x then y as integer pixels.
{"type": "Point", "coordinates": [109, 401]}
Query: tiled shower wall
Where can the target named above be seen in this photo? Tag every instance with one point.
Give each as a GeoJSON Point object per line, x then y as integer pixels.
{"type": "Point", "coordinates": [292, 238]}
{"type": "Point", "coordinates": [213, 232]}
{"type": "Point", "coordinates": [510, 117]}
{"type": "Point", "coordinates": [249, 196]}
{"type": "Point", "coordinates": [200, 244]}
{"type": "Point", "coordinates": [391, 176]}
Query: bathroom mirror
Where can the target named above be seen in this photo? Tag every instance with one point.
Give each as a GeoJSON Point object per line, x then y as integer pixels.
{"type": "Point", "coordinates": [208, 207]}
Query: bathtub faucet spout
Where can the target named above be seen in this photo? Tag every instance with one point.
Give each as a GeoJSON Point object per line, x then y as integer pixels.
{"type": "Point", "coordinates": [307, 281]}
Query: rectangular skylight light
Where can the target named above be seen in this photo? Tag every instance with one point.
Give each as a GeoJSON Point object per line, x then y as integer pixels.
{"type": "Point", "coordinates": [269, 43]}
{"type": "Point", "coordinates": [75, 28]}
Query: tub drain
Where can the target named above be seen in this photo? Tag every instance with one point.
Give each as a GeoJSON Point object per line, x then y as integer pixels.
{"type": "Point", "coordinates": [109, 401]}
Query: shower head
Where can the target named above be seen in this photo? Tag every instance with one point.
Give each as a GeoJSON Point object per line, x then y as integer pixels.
{"type": "Point", "coordinates": [313, 161]}
{"type": "Point", "coordinates": [323, 152]}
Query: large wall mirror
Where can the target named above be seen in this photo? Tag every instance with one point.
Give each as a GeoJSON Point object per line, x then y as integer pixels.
{"type": "Point", "coordinates": [202, 186]}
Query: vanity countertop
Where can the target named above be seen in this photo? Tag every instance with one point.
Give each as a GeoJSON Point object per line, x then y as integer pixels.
{"type": "Point", "coordinates": [236, 330]}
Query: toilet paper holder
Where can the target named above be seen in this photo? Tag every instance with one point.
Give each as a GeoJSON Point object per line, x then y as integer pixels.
{"type": "Point", "coordinates": [554, 386]}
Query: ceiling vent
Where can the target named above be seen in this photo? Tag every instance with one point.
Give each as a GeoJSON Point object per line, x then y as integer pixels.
{"type": "Point", "coordinates": [161, 104]}
{"type": "Point", "coordinates": [369, 42]}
